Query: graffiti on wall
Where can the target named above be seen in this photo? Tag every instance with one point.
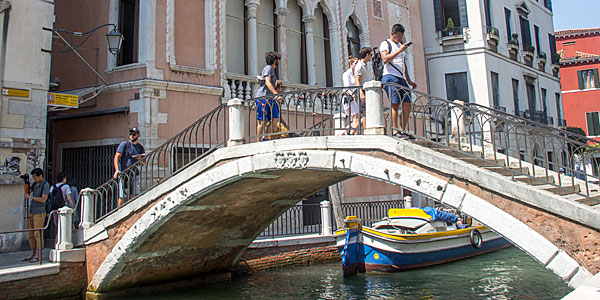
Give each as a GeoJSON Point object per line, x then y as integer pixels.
{"type": "Point", "coordinates": [33, 159]}
{"type": "Point", "coordinates": [11, 166]}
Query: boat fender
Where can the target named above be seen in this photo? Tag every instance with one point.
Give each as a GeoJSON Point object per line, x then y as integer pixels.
{"type": "Point", "coordinates": [476, 239]}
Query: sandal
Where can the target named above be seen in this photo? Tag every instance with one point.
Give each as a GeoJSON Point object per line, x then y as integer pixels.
{"type": "Point", "coordinates": [35, 259]}
{"type": "Point", "coordinates": [27, 258]}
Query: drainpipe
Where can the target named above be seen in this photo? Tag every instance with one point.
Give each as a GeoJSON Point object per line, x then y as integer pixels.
{"type": "Point", "coordinates": [5, 11]}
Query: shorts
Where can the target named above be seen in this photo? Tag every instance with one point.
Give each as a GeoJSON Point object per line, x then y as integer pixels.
{"type": "Point", "coordinates": [267, 109]}
{"type": "Point", "coordinates": [350, 105]}
{"type": "Point", "coordinates": [126, 189]}
{"type": "Point", "coordinates": [399, 95]}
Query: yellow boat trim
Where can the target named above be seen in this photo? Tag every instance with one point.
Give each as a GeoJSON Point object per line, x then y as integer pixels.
{"type": "Point", "coordinates": [408, 212]}
{"type": "Point", "coordinates": [420, 236]}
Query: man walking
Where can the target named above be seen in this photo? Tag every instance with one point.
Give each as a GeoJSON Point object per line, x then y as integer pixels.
{"type": "Point", "coordinates": [393, 54]}
{"type": "Point", "coordinates": [361, 76]}
{"type": "Point", "coordinates": [266, 110]}
{"type": "Point", "coordinates": [128, 153]}
{"type": "Point", "coordinates": [37, 212]}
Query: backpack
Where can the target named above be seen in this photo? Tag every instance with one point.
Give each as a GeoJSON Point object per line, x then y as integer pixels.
{"type": "Point", "coordinates": [56, 197]}
{"type": "Point", "coordinates": [378, 63]}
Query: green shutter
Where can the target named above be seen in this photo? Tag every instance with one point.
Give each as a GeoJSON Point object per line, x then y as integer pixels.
{"type": "Point", "coordinates": [580, 79]}
{"type": "Point", "coordinates": [596, 79]}
{"type": "Point", "coordinates": [596, 123]}
{"type": "Point", "coordinates": [590, 126]}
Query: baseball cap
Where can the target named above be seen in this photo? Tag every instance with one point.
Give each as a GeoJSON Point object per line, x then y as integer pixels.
{"type": "Point", "coordinates": [134, 130]}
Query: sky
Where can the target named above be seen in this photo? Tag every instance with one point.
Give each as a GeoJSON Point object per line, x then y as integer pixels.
{"type": "Point", "coordinates": [573, 14]}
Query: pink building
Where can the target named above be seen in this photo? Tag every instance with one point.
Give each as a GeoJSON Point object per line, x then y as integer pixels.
{"type": "Point", "coordinates": [180, 59]}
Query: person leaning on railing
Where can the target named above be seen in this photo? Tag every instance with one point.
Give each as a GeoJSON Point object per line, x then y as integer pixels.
{"type": "Point", "coordinates": [37, 212]}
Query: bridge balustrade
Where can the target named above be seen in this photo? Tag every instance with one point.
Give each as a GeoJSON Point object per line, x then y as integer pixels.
{"type": "Point", "coordinates": [477, 131]}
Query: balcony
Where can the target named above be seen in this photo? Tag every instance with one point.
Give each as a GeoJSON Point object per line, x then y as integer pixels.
{"type": "Point", "coordinates": [451, 36]}
{"type": "Point", "coordinates": [541, 60]}
{"type": "Point", "coordinates": [513, 48]}
{"type": "Point", "coordinates": [500, 108]}
{"type": "Point", "coordinates": [536, 116]}
{"type": "Point", "coordinates": [562, 123]}
{"type": "Point", "coordinates": [528, 51]}
{"type": "Point", "coordinates": [492, 34]}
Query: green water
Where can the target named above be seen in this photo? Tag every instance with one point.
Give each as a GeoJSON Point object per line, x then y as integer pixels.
{"type": "Point", "coordinates": [504, 274]}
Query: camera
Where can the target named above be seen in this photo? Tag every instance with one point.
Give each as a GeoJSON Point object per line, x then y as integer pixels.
{"type": "Point", "coordinates": [25, 178]}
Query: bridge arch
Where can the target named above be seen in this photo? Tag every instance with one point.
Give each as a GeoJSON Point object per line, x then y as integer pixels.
{"type": "Point", "coordinates": [203, 218]}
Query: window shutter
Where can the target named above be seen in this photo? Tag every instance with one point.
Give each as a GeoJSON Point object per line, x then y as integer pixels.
{"type": "Point", "coordinates": [596, 79]}
{"type": "Point", "coordinates": [580, 79]}
{"type": "Point", "coordinates": [437, 7]}
{"type": "Point", "coordinates": [462, 11]}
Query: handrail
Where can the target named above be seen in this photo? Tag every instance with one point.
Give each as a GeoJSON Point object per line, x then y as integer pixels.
{"type": "Point", "coordinates": [34, 229]}
{"type": "Point", "coordinates": [487, 133]}
{"type": "Point", "coordinates": [189, 145]}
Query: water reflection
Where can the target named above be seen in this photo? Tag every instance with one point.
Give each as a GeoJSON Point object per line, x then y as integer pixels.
{"type": "Point", "coordinates": [504, 274]}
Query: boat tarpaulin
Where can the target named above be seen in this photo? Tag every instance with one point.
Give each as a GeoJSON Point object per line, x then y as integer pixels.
{"type": "Point", "coordinates": [440, 215]}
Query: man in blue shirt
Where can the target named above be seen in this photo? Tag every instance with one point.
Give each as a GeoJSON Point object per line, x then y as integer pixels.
{"type": "Point", "coordinates": [267, 110]}
{"type": "Point", "coordinates": [128, 153]}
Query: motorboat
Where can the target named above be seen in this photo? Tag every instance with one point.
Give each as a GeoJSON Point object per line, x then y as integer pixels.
{"type": "Point", "coordinates": [412, 238]}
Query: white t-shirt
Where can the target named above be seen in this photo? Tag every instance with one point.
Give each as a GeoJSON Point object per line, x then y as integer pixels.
{"type": "Point", "coordinates": [398, 60]}
{"type": "Point", "coordinates": [361, 69]}
{"type": "Point", "coordinates": [348, 78]}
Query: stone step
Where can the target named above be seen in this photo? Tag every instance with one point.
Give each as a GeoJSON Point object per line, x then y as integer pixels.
{"type": "Point", "coordinates": [484, 162]}
{"type": "Point", "coordinates": [456, 154]}
{"type": "Point", "coordinates": [564, 190]}
{"type": "Point", "coordinates": [535, 181]}
{"type": "Point", "coordinates": [591, 201]}
{"type": "Point", "coordinates": [508, 171]}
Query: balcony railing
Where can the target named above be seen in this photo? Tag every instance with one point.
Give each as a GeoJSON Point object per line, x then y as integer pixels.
{"type": "Point", "coordinates": [456, 31]}
{"type": "Point", "coordinates": [562, 122]}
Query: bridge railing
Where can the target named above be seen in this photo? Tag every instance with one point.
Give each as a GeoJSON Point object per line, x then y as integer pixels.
{"type": "Point", "coordinates": [554, 156]}
{"type": "Point", "coordinates": [200, 138]}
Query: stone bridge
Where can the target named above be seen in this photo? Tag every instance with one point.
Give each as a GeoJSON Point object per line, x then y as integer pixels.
{"type": "Point", "coordinates": [200, 220]}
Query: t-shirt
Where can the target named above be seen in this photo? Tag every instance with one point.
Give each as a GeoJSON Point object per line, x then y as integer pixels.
{"type": "Point", "coordinates": [128, 158]}
{"type": "Point", "coordinates": [66, 190]}
{"type": "Point", "coordinates": [348, 78]}
{"type": "Point", "coordinates": [269, 71]}
{"type": "Point", "coordinates": [361, 69]}
{"type": "Point", "coordinates": [38, 190]}
{"type": "Point", "coordinates": [398, 61]}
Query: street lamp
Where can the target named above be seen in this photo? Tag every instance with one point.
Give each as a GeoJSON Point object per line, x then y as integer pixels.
{"type": "Point", "coordinates": [115, 39]}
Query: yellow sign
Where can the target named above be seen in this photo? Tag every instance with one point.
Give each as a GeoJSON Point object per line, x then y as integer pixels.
{"type": "Point", "coordinates": [15, 92]}
{"type": "Point", "coordinates": [65, 100]}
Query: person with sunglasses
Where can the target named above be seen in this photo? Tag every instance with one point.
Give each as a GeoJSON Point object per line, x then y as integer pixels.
{"type": "Point", "coordinates": [128, 153]}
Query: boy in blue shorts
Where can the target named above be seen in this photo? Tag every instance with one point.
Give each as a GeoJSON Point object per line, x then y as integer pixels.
{"type": "Point", "coordinates": [266, 109]}
{"type": "Point", "coordinates": [393, 54]}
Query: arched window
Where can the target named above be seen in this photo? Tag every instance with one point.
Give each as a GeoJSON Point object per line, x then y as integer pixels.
{"type": "Point", "coordinates": [266, 30]}
{"type": "Point", "coordinates": [322, 49]}
{"type": "Point", "coordinates": [296, 46]}
{"type": "Point", "coordinates": [353, 38]}
{"type": "Point", "coordinates": [236, 37]}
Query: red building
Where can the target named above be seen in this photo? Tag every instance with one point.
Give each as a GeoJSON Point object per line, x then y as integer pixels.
{"type": "Point", "coordinates": [579, 51]}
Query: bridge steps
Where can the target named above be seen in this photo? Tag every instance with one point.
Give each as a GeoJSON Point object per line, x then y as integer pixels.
{"type": "Point", "coordinates": [535, 181]}
{"type": "Point", "coordinates": [508, 171]}
{"type": "Point", "coordinates": [591, 201]}
{"type": "Point", "coordinates": [563, 190]}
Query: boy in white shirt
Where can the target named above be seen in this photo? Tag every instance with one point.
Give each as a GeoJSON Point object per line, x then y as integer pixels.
{"type": "Point", "coordinates": [350, 105]}
{"type": "Point", "coordinates": [395, 71]}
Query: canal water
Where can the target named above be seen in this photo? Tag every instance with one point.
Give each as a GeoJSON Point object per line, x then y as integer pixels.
{"type": "Point", "coordinates": [504, 274]}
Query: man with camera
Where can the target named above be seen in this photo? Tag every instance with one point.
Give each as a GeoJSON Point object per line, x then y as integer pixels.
{"type": "Point", "coordinates": [128, 153]}
{"type": "Point", "coordinates": [37, 211]}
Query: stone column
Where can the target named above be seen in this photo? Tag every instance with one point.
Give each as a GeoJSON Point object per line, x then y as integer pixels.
{"type": "Point", "coordinates": [310, 49]}
{"type": "Point", "coordinates": [252, 36]}
{"type": "Point", "coordinates": [339, 121]}
{"type": "Point", "coordinates": [87, 208]}
{"type": "Point", "coordinates": [282, 13]}
{"type": "Point", "coordinates": [236, 122]}
{"type": "Point", "coordinates": [374, 113]}
{"type": "Point", "coordinates": [325, 218]}
{"type": "Point", "coordinates": [65, 223]}
{"type": "Point", "coordinates": [338, 64]}
{"type": "Point", "coordinates": [407, 202]}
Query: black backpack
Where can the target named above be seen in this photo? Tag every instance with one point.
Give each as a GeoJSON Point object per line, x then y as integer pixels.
{"type": "Point", "coordinates": [56, 197]}
{"type": "Point", "coordinates": [378, 63]}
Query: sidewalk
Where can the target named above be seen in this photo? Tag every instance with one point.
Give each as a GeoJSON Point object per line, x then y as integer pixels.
{"type": "Point", "coordinates": [13, 259]}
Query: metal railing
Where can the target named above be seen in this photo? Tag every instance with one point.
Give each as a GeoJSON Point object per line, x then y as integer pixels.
{"type": "Point", "coordinates": [191, 144]}
{"type": "Point", "coordinates": [41, 241]}
{"type": "Point", "coordinates": [306, 218]}
{"type": "Point", "coordinates": [313, 112]}
{"type": "Point", "coordinates": [511, 141]}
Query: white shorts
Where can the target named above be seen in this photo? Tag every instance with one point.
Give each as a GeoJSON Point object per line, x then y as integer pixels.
{"type": "Point", "coordinates": [352, 106]}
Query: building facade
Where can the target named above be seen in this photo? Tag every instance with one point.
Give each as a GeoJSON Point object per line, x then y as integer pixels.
{"type": "Point", "coordinates": [180, 59]}
{"type": "Point", "coordinates": [497, 54]}
{"type": "Point", "coordinates": [24, 80]}
{"type": "Point", "coordinates": [579, 50]}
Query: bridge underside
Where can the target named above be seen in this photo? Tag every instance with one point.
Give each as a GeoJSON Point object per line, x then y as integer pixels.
{"type": "Point", "coordinates": [208, 233]}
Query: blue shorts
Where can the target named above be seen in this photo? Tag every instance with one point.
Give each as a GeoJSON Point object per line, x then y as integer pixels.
{"type": "Point", "coordinates": [267, 109]}
{"type": "Point", "coordinates": [399, 95]}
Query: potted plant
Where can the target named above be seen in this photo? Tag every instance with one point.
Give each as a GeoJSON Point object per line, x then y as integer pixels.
{"type": "Point", "coordinates": [450, 27]}
{"type": "Point", "coordinates": [556, 58]}
{"type": "Point", "coordinates": [530, 48]}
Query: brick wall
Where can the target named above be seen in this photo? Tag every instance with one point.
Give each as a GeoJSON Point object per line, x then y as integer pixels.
{"type": "Point", "coordinates": [69, 283]}
{"type": "Point", "coordinates": [258, 259]}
